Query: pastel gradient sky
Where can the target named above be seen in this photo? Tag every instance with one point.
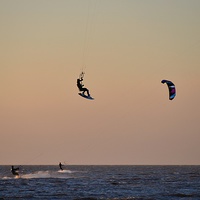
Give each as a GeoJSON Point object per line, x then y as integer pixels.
{"type": "Point", "coordinates": [126, 47]}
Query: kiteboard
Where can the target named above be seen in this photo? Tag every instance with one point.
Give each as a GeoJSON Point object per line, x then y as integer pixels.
{"type": "Point", "coordinates": [85, 96]}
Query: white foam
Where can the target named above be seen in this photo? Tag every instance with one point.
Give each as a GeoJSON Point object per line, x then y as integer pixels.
{"type": "Point", "coordinates": [65, 171]}
{"type": "Point", "coordinates": [48, 174]}
{"type": "Point", "coordinates": [6, 177]}
{"type": "Point", "coordinates": [39, 174]}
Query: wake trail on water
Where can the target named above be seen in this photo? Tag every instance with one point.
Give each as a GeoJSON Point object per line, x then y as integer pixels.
{"type": "Point", "coordinates": [65, 171]}
{"type": "Point", "coordinates": [43, 174]}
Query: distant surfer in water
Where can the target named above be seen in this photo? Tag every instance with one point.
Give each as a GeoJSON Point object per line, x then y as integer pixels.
{"type": "Point", "coordinates": [60, 165]}
{"type": "Point", "coordinates": [15, 171]}
{"type": "Point", "coordinates": [81, 88]}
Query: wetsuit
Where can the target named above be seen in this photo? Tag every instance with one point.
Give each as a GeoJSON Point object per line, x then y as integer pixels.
{"type": "Point", "coordinates": [60, 165]}
{"type": "Point", "coordinates": [14, 171]}
{"type": "Point", "coordinates": [81, 88]}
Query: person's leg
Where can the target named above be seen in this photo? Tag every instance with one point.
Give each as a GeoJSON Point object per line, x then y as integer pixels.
{"type": "Point", "coordinates": [86, 90]}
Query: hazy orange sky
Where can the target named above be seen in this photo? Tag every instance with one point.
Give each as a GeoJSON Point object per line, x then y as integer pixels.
{"type": "Point", "coordinates": [126, 48]}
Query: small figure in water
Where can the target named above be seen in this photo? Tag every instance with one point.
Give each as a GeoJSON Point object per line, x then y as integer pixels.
{"type": "Point", "coordinates": [15, 171]}
{"type": "Point", "coordinates": [60, 165]}
{"type": "Point", "coordinates": [81, 88]}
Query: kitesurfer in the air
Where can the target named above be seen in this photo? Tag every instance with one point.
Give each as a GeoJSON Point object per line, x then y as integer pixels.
{"type": "Point", "coordinates": [15, 171]}
{"type": "Point", "coordinates": [60, 165]}
{"type": "Point", "coordinates": [81, 88]}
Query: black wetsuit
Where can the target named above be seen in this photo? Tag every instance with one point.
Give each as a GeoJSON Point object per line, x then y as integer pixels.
{"type": "Point", "coordinates": [14, 171]}
{"type": "Point", "coordinates": [60, 165]}
{"type": "Point", "coordinates": [81, 88]}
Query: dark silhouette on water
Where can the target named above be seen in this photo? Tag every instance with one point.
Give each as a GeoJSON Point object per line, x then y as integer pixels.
{"type": "Point", "coordinates": [60, 165]}
{"type": "Point", "coordinates": [15, 171]}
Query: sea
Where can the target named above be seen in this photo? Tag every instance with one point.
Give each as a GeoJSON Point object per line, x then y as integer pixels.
{"type": "Point", "coordinates": [77, 182]}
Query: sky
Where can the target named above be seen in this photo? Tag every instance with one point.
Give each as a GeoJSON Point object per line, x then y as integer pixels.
{"type": "Point", "coordinates": [125, 48]}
